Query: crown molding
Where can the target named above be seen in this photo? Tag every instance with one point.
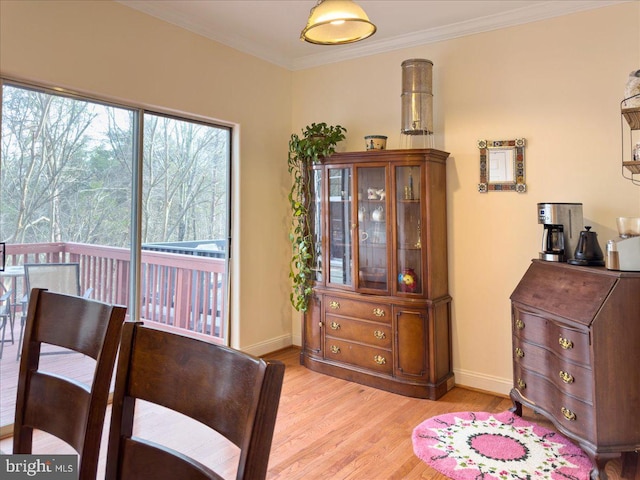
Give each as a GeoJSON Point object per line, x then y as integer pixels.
{"type": "Point", "coordinates": [534, 13]}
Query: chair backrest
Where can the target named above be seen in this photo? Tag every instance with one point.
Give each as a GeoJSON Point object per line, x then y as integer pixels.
{"type": "Point", "coordinates": [55, 277]}
{"type": "Point", "coordinates": [63, 407]}
{"type": "Point", "coordinates": [231, 392]}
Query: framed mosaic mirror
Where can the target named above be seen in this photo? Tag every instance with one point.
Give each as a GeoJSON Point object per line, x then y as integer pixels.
{"type": "Point", "coordinates": [502, 166]}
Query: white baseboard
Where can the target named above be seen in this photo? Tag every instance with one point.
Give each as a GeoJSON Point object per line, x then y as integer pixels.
{"type": "Point", "coordinates": [488, 383]}
{"type": "Point", "coordinates": [268, 346]}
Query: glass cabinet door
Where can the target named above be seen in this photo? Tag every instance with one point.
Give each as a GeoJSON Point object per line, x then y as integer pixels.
{"type": "Point", "coordinates": [372, 228]}
{"type": "Point", "coordinates": [409, 229]}
{"type": "Point", "coordinates": [315, 223]}
{"type": "Point", "coordinates": [339, 225]}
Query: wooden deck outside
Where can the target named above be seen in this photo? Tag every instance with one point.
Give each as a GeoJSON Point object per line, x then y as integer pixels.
{"type": "Point", "coordinates": [327, 428]}
{"type": "Point", "coordinates": [179, 292]}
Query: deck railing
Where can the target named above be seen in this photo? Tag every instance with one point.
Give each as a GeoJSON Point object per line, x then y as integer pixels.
{"type": "Point", "coordinates": [183, 292]}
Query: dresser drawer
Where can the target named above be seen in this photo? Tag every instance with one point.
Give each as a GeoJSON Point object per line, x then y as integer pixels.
{"type": "Point", "coordinates": [371, 358]}
{"type": "Point", "coordinates": [572, 414]}
{"type": "Point", "coordinates": [377, 312]}
{"type": "Point", "coordinates": [570, 378]}
{"type": "Point", "coordinates": [371, 333]}
{"type": "Point", "coordinates": [568, 342]}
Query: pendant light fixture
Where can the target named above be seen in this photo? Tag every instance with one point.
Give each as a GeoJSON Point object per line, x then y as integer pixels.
{"type": "Point", "coordinates": [336, 22]}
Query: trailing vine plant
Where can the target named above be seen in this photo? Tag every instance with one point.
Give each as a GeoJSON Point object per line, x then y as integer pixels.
{"type": "Point", "coordinates": [317, 141]}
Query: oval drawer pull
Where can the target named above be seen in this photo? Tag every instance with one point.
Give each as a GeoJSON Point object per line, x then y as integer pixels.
{"type": "Point", "coordinates": [379, 359]}
{"type": "Point", "coordinates": [519, 352]}
{"type": "Point", "coordinates": [519, 324]}
{"type": "Point", "coordinates": [566, 377]}
{"type": "Point", "coordinates": [521, 384]}
{"type": "Point", "coordinates": [568, 414]}
{"type": "Point", "coordinates": [379, 335]}
{"type": "Point", "coordinates": [378, 312]}
{"type": "Point", "coordinates": [335, 326]}
{"type": "Point", "coordinates": [334, 305]}
{"type": "Point", "coordinates": [565, 343]}
{"type": "Point", "coordinates": [335, 349]}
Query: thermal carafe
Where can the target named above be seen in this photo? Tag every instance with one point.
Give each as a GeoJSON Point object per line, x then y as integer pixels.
{"type": "Point", "coordinates": [562, 223]}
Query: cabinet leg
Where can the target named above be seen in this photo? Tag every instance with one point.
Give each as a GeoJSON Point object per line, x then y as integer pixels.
{"type": "Point", "coordinates": [630, 465]}
{"type": "Point", "coordinates": [516, 409]}
{"type": "Point", "coordinates": [598, 474]}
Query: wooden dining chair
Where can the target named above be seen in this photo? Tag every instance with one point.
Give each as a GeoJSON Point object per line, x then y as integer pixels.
{"type": "Point", "coordinates": [229, 391]}
{"type": "Point", "coordinates": [63, 407]}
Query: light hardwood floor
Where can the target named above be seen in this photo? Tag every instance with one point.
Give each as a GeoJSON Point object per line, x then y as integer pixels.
{"type": "Point", "coordinates": [329, 429]}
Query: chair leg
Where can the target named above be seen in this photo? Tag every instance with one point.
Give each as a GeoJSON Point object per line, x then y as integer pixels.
{"type": "Point", "coordinates": [22, 318]}
{"type": "Point", "coordinates": [11, 322]}
{"type": "Point", "coordinates": [4, 326]}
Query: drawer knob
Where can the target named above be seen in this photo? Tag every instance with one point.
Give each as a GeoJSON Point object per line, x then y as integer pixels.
{"type": "Point", "coordinates": [566, 377]}
{"type": "Point", "coordinates": [378, 312]}
{"type": "Point", "coordinates": [379, 335]}
{"type": "Point", "coordinates": [334, 305]}
{"type": "Point", "coordinates": [565, 343]}
{"type": "Point", "coordinates": [379, 359]}
{"type": "Point", "coordinates": [521, 384]}
{"type": "Point", "coordinates": [519, 324]}
{"type": "Point", "coordinates": [335, 349]}
{"type": "Point", "coordinates": [568, 414]}
{"type": "Point", "coordinates": [335, 326]}
{"type": "Point", "coordinates": [519, 352]}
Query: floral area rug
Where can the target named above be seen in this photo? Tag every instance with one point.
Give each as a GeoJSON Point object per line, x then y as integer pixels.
{"type": "Point", "coordinates": [480, 445]}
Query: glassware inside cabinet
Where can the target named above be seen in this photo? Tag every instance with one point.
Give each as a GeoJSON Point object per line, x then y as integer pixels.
{"type": "Point", "coordinates": [409, 229]}
{"type": "Point", "coordinates": [315, 225]}
{"type": "Point", "coordinates": [372, 228]}
{"type": "Point", "coordinates": [340, 226]}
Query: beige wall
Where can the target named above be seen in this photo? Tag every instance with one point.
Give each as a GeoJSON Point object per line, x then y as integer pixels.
{"type": "Point", "coordinates": [104, 48]}
{"type": "Point", "coordinates": [558, 83]}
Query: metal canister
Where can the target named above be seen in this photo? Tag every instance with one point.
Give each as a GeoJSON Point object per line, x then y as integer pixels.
{"type": "Point", "coordinates": [417, 97]}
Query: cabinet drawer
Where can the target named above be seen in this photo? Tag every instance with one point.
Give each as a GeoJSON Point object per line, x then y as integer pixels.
{"type": "Point", "coordinates": [371, 333]}
{"type": "Point", "coordinates": [570, 378]}
{"type": "Point", "coordinates": [377, 312]}
{"type": "Point", "coordinates": [572, 414]}
{"type": "Point", "coordinates": [568, 342]}
{"type": "Point", "coordinates": [371, 358]}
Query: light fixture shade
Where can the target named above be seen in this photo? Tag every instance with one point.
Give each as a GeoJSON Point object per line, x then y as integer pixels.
{"type": "Point", "coordinates": [335, 22]}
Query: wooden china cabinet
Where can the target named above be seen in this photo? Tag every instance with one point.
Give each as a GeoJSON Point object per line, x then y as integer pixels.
{"type": "Point", "coordinates": [576, 351]}
{"type": "Point", "coordinates": [380, 310]}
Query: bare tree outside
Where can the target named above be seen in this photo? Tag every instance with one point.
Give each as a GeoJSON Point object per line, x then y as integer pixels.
{"type": "Point", "coordinates": [66, 173]}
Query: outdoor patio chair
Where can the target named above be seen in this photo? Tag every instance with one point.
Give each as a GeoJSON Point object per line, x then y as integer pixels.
{"type": "Point", "coordinates": [6, 318]}
{"type": "Point", "coordinates": [61, 406]}
{"type": "Point", "coordinates": [55, 277]}
{"type": "Point", "coordinates": [231, 392]}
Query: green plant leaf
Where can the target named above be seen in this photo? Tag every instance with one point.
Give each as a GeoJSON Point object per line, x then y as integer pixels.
{"type": "Point", "coordinates": [318, 141]}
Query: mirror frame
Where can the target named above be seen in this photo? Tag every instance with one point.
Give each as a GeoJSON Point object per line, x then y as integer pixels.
{"type": "Point", "coordinates": [497, 149]}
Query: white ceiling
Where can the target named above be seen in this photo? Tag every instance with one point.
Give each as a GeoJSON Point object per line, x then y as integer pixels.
{"type": "Point", "coordinates": [270, 29]}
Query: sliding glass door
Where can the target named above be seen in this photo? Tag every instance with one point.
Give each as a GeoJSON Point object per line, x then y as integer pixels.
{"type": "Point", "coordinates": [140, 200]}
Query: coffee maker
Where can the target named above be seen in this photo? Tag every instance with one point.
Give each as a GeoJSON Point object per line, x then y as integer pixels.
{"type": "Point", "coordinates": [562, 225]}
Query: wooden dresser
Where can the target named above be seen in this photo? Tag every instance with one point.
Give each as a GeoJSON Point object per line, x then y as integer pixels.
{"type": "Point", "coordinates": [380, 310]}
{"type": "Point", "coordinates": [576, 355]}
